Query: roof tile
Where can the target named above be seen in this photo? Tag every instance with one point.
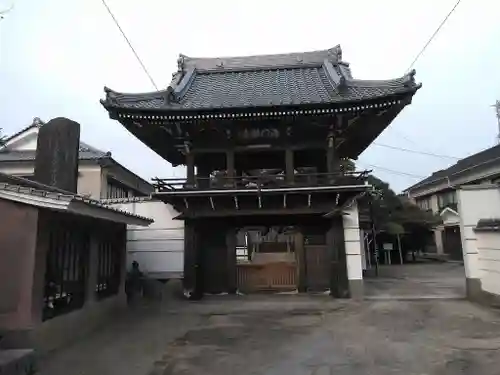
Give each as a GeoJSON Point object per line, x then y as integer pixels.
{"type": "Point", "coordinates": [317, 77]}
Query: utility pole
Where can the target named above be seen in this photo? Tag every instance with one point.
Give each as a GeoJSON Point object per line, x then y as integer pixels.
{"type": "Point", "coordinates": [497, 110]}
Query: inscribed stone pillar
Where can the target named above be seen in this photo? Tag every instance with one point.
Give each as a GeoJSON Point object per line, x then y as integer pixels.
{"type": "Point", "coordinates": [56, 161]}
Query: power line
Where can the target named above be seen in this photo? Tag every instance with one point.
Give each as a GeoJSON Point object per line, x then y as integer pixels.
{"type": "Point", "coordinates": [393, 171]}
{"type": "Point", "coordinates": [433, 35]}
{"type": "Point", "coordinates": [416, 152]}
{"type": "Point", "coordinates": [130, 45]}
{"type": "Point", "coordinates": [7, 10]}
{"type": "Point", "coordinates": [408, 139]}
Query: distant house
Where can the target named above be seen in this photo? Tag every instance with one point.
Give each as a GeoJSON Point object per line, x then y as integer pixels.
{"type": "Point", "coordinates": [100, 176]}
{"type": "Point", "coordinates": [438, 194]}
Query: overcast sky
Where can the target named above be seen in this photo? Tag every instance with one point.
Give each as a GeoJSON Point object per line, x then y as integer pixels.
{"type": "Point", "coordinates": [57, 55]}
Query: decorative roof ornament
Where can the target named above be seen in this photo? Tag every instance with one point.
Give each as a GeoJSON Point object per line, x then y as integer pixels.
{"type": "Point", "coordinates": [180, 62]}
{"type": "Point", "coordinates": [337, 52]}
{"type": "Point", "coordinates": [37, 121]}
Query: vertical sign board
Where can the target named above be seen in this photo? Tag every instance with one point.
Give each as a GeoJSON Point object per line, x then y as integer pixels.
{"type": "Point", "coordinates": [56, 161]}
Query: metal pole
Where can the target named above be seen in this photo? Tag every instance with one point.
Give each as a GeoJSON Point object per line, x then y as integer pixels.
{"type": "Point", "coordinates": [399, 247]}
{"type": "Point", "coordinates": [374, 235]}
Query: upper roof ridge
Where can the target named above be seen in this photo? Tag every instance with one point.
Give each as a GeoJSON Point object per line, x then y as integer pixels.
{"type": "Point", "coordinates": [259, 61]}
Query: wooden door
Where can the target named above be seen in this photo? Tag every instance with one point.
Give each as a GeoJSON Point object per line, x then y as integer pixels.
{"type": "Point", "coordinates": [317, 267]}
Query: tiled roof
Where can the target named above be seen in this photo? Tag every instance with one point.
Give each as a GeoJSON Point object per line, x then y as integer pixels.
{"type": "Point", "coordinates": [470, 162]}
{"type": "Point", "coordinates": [127, 200]}
{"type": "Point", "coordinates": [318, 77]}
{"type": "Point", "coordinates": [26, 187]}
{"type": "Point", "coordinates": [36, 123]}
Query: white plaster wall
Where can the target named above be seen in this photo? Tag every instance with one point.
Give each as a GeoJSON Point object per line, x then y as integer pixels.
{"type": "Point", "coordinates": [159, 248]}
{"type": "Point", "coordinates": [89, 181]}
{"type": "Point", "coordinates": [24, 141]}
{"type": "Point", "coordinates": [438, 239]}
{"type": "Point", "coordinates": [434, 204]}
{"type": "Point", "coordinates": [89, 177]}
{"type": "Point", "coordinates": [474, 203]}
{"type": "Point", "coordinates": [22, 169]}
{"type": "Point", "coordinates": [488, 246]}
{"type": "Point", "coordinates": [352, 239]}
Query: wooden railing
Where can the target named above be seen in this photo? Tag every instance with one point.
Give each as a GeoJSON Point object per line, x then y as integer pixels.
{"type": "Point", "coordinates": [222, 181]}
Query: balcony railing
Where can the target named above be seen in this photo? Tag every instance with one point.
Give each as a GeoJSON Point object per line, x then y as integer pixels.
{"type": "Point", "coordinates": [453, 206]}
{"type": "Point", "coordinates": [260, 181]}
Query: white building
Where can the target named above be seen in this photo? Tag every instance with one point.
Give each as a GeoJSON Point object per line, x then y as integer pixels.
{"type": "Point", "coordinates": [99, 175]}
{"type": "Point", "coordinates": [438, 193]}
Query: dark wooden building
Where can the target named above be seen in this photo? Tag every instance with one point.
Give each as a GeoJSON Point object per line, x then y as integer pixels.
{"type": "Point", "coordinates": [264, 139]}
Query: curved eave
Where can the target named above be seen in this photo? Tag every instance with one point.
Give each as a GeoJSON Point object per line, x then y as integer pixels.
{"type": "Point", "coordinates": [172, 113]}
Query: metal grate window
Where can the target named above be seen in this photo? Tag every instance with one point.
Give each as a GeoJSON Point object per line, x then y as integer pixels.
{"type": "Point", "coordinates": [109, 263]}
{"type": "Point", "coordinates": [66, 267]}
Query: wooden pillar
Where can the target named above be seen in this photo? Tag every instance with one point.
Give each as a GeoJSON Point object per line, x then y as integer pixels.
{"type": "Point", "coordinates": [231, 259]}
{"type": "Point", "coordinates": [301, 261]}
{"type": "Point", "coordinates": [190, 258]}
{"type": "Point", "coordinates": [203, 176]}
{"type": "Point", "coordinates": [339, 282]}
{"type": "Point", "coordinates": [331, 158]}
{"type": "Point", "coordinates": [190, 169]}
{"type": "Point", "coordinates": [289, 166]}
{"type": "Point", "coordinates": [230, 167]}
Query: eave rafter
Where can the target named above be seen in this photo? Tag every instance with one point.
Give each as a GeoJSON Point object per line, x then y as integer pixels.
{"type": "Point", "coordinates": [284, 203]}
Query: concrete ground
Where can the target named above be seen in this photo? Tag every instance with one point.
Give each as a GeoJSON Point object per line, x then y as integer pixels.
{"type": "Point", "coordinates": [425, 279]}
{"type": "Point", "coordinates": [293, 334]}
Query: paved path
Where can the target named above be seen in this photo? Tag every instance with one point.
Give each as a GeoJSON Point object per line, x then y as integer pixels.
{"type": "Point", "coordinates": [291, 334]}
{"type": "Point", "coordinates": [418, 280]}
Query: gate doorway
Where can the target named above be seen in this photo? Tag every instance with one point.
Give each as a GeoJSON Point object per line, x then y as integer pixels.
{"type": "Point", "coordinates": [452, 242]}
{"type": "Point", "coordinates": [266, 259]}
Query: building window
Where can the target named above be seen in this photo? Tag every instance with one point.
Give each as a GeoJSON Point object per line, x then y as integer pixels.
{"type": "Point", "coordinates": [447, 199]}
{"type": "Point", "coordinates": [67, 265]}
{"type": "Point", "coordinates": [109, 264]}
{"type": "Point", "coordinates": [424, 204]}
{"type": "Point", "coordinates": [116, 190]}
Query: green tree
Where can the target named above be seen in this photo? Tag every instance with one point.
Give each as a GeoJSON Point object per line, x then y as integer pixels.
{"type": "Point", "coordinates": [395, 213]}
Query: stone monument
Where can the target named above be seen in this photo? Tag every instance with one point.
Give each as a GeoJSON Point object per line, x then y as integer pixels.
{"type": "Point", "coordinates": [56, 161]}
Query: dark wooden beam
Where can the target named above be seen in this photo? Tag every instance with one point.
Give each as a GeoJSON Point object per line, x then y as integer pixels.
{"type": "Point", "coordinates": [230, 164]}
{"type": "Point", "coordinates": [190, 261]}
{"type": "Point", "coordinates": [339, 282]}
{"type": "Point", "coordinates": [190, 169]}
{"type": "Point", "coordinates": [301, 261]}
{"type": "Point", "coordinates": [241, 213]}
{"type": "Point", "coordinates": [231, 259]}
{"type": "Point", "coordinates": [289, 163]}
